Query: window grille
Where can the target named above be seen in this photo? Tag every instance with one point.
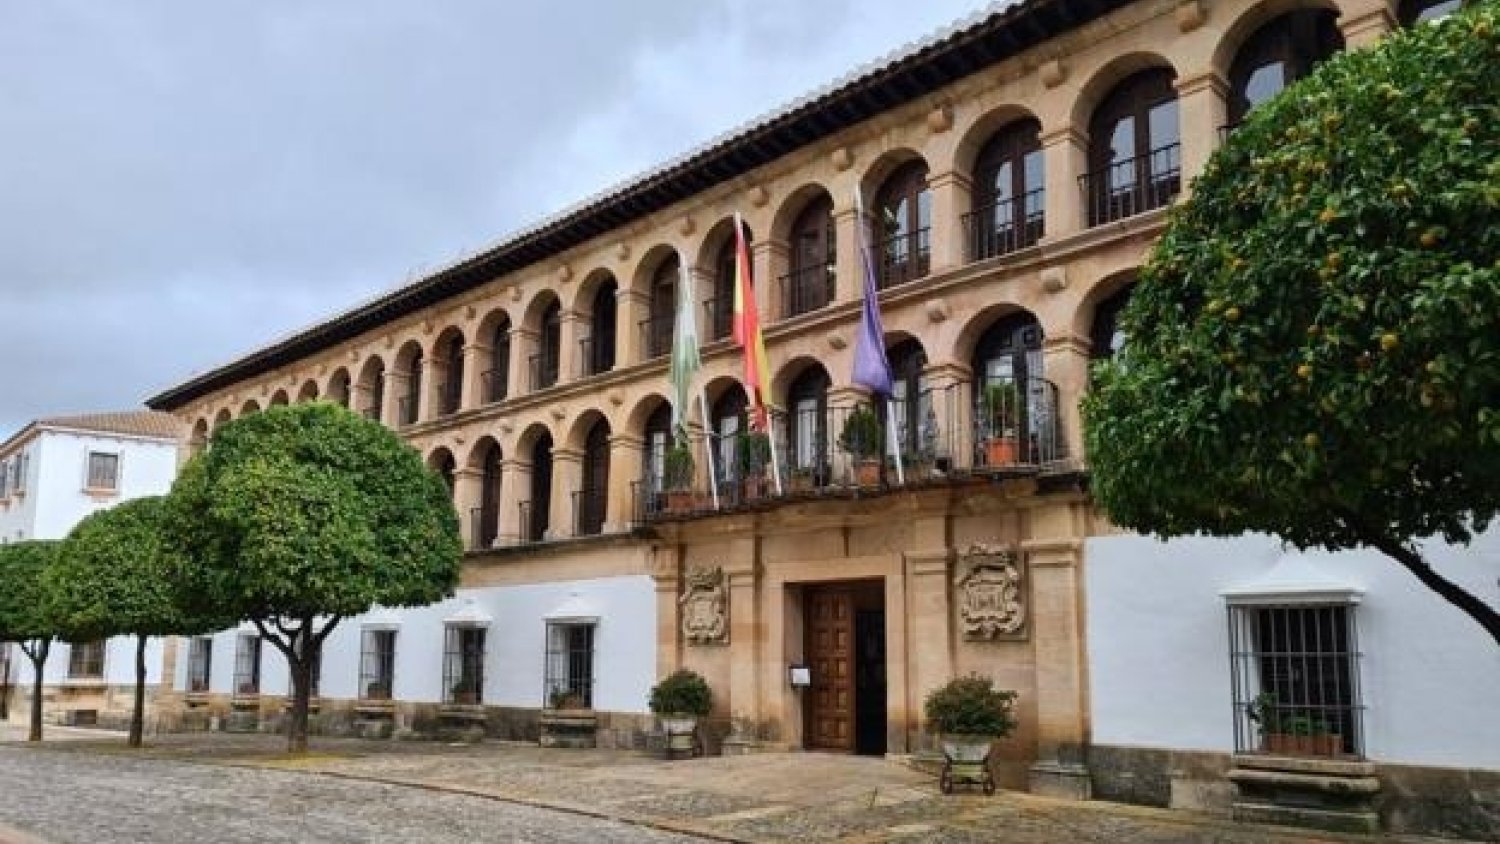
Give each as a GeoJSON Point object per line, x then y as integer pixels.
{"type": "Point", "coordinates": [1295, 675]}
{"type": "Point", "coordinates": [86, 660]}
{"type": "Point", "coordinates": [377, 664]}
{"type": "Point", "coordinates": [104, 470]}
{"type": "Point", "coordinates": [200, 657]}
{"type": "Point", "coordinates": [570, 665]}
{"type": "Point", "coordinates": [463, 665]}
{"type": "Point", "coordinates": [247, 664]}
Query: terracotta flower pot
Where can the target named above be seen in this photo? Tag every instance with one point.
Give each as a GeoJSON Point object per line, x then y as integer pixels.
{"type": "Point", "coordinates": [1000, 451]}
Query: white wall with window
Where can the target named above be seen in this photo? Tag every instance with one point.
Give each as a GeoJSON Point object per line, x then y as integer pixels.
{"type": "Point", "coordinates": [1184, 635]}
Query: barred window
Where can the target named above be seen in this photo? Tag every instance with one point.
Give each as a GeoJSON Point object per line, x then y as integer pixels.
{"type": "Point", "coordinates": [86, 661]}
{"type": "Point", "coordinates": [104, 470]}
{"type": "Point", "coordinates": [247, 664]}
{"type": "Point", "coordinates": [200, 658]}
{"type": "Point", "coordinates": [463, 665]}
{"type": "Point", "coordinates": [570, 665]}
{"type": "Point", "coordinates": [1295, 676]}
{"type": "Point", "coordinates": [377, 664]}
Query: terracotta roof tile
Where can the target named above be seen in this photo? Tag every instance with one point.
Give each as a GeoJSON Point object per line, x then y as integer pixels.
{"type": "Point", "coordinates": [140, 423]}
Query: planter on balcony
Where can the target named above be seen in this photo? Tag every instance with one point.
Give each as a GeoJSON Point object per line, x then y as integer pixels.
{"type": "Point", "coordinates": [1000, 451]}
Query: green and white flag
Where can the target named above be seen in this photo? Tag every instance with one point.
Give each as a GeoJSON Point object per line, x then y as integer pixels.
{"type": "Point", "coordinates": [685, 358]}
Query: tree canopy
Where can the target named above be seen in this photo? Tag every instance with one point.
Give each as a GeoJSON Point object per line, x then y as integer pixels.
{"type": "Point", "coordinates": [297, 517]}
{"type": "Point", "coordinates": [1314, 343]}
{"type": "Point", "coordinates": [28, 611]}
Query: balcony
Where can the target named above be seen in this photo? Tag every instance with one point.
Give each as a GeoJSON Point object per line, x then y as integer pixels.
{"type": "Point", "coordinates": [1133, 186]}
{"type": "Point", "coordinates": [542, 370]}
{"type": "Point", "coordinates": [904, 257]}
{"type": "Point", "coordinates": [656, 335]}
{"type": "Point", "coordinates": [947, 435]}
{"type": "Point", "coordinates": [807, 289]}
{"type": "Point", "coordinates": [1004, 227]}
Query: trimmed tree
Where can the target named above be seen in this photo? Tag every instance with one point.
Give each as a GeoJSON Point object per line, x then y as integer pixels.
{"type": "Point", "coordinates": [1314, 343]}
{"type": "Point", "coordinates": [298, 517]}
{"type": "Point", "coordinates": [116, 574]}
{"type": "Point", "coordinates": [27, 611]}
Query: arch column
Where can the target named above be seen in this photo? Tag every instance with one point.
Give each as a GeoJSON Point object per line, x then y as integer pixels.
{"type": "Point", "coordinates": [951, 193]}
{"type": "Point", "coordinates": [849, 279]}
{"type": "Point", "coordinates": [523, 344]}
{"type": "Point", "coordinates": [1065, 361]}
{"type": "Point", "coordinates": [1364, 22]}
{"type": "Point", "coordinates": [770, 260]}
{"type": "Point", "coordinates": [1065, 155]}
{"type": "Point", "coordinates": [515, 487]}
{"type": "Point", "coordinates": [395, 390]}
{"type": "Point", "coordinates": [360, 397]}
{"type": "Point", "coordinates": [572, 326]}
{"type": "Point", "coordinates": [476, 360]}
{"type": "Point", "coordinates": [626, 452]}
{"type": "Point", "coordinates": [466, 497]}
{"type": "Point", "coordinates": [426, 398]}
{"type": "Point", "coordinates": [567, 478]}
{"type": "Point", "coordinates": [1202, 109]}
{"type": "Point", "coordinates": [630, 310]}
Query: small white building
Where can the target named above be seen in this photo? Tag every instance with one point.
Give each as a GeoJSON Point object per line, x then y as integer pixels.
{"type": "Point", "coordinates": [53, 473]}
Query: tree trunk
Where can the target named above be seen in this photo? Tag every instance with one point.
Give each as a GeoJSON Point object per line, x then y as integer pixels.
{"type": "Point", "coordinates": [301, 670]}
{"type": "Point", "coordinates": [138, 714]}
{"type": "Point", "coordinates": [38, 656]}
{"type": "Point", "coordinates": [1451, 592]}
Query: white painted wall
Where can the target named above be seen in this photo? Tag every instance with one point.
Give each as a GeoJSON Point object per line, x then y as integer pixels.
{"type": "Point", "coordinates": [147, 467]}
{"type": "Point", "coordinates": [18, 514]}
{"type": "Point", "coordinates": [1158, 646]}
{"type": "Point", "coordinates": [515, 646]}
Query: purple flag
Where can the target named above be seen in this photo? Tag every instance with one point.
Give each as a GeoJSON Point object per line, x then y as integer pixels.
{"type": "Point", "coordinates": [872, 369]}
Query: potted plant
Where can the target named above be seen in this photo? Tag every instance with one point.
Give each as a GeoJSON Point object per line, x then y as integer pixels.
{"type": "Point", "coordinates": [969, 713]}
{"type": "Point", "coordinates": [753, 455]}
{"type": "Point", "coordinates": [1289, 734]}
{"type": "Point", "coordinates": [999, 410]}
{"type": "Point", "coordinates": [678, 471]}
{"type": "Point", "coordinates": [861, 440]}
{"type": "Point", "coordinates": [466, 691]}
{"type": "Point", "coordinates": [679, 701]}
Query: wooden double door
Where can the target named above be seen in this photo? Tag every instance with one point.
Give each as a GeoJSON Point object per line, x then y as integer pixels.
{"type": "Point", "coordinates": [845, 648]}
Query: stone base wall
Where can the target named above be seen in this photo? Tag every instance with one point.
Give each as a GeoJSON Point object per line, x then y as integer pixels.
{"type": "Point", "coordinates": [1413, 800]}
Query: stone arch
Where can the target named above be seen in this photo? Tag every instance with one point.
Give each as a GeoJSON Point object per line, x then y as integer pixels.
{"type": "Point", "coordinates": [531, 318]}
{"type": "Point", "coordinates": [494, 319]}
{"type": "Point", "coordinates": [1251, 19]}
{"type": "Point", "coordinates": [441, 461]}
{"type": "Point", "coordinates": [983, 129]}
{"type": "Point", "coordinates": [448, 370]}
{"type": "Point", "coordinates": [881, 169]}
{"type": "Point", "coordinates": [370, 388]}
{"type": "Point", "coordinates": [635, 421]}
{"type": "Point", "coordinates": [584, 292]}
{"type": "Point", "coordinates": [198, 439]}
{"type": "Point", "coordinates": [308, 391]}
{"type": "Point", "coordinates": [340, 389]}
{"type": "Point", "coordinates": [250, 406]}
{"type": "Point", "coordinates": [577, 432]}
{"type": "Point", "coordinates": [279, 399]}
{"type": "Point", "coordinates": [1109, 75]}
{"type": "Point", "coordinates": [1111, 293]}
{"type": "Point", "coordinates": [790, 372]}
{"type": "Point", "coordinates": [980, 322]}
{"type": "Point", "coordinates": [528, 438]}
{"type": "Point", "coordinates": [221, 417]}
{"type": "Point", "coordinates": [651, 260]}
{"type": "Point", "coordinates": [792, 207]}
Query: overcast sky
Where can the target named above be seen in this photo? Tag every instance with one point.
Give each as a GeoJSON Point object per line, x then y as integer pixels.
{"type": "Point", "coordinates": [183, 181]}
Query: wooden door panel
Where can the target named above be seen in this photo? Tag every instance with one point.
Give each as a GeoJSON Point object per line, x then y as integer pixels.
{"type": "Point", "coordinates": [830, 627]}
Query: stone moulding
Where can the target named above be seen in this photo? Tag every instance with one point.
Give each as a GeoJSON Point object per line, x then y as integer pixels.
{"type": "Point", "coordinates": [705, 606]}
{"type": "Point", "coordinates": [991, 599]}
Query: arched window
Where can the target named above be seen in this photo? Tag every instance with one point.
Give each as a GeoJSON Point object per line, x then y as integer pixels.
{"type": "Point", "coordinates": [598, 352]}
{"type": "Point", "coordinates": [338, 388]}
{"type": "Point", "coordinates": [658, 439]}
{"type": "Point", "coordinates": [1278, 54]}
{"type": "Point", "coordinates": [309, 392]}
{"type": "Point", "coordinates": [1015, 408]}
{"type": "Point", "coordinates": [451, 360]}
{"type": "Point", "coordinates": [489, 495]}
{"type": "Point", "coordinates": [1412, 12]}
{"type": "Point", "coordinates": [732, 459]}
{"type": "Point", "coordinates": [916, 422]}
{"type": "Point", "coordinates": [1008, 193]}
{"type": "Point", "coordinates": [372, 386]}
{"type": "Point", "coordinates": [1106, 338]}
{"type": "Point", "coordinates": [442, 463]}
{"type": "Point", "coordinates": [810, 284]}
{"type": "Point", "coordinates": [662, 307]}
{"type": "Point", "coordinates": [807, 424]}
{"type": "Point", "coordinates": [721, 306]}
{"type": "Point", "coordinates": [411, 402]}
{"type": "Point", "coordinates": [549, 347]}
{"type": "Point", "coordinates": [279, 399]}
{"type": "Point", "coordinates": [903, 227]}
{"type": "Point", "coordinates": [497, 379]}
{"type": "Point", "coordinates": [537, 516]}
{"type": "Point", "coordinates": [1135, 153]}
{"type": "Point", "coordinates": [593, 498]}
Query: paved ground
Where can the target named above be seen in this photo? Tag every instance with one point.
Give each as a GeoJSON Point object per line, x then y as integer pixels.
{"type": "Point", "coordinates": [227, 788]}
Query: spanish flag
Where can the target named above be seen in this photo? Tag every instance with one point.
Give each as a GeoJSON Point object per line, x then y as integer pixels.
{"type": "Point", "coordinates": [747, 331]}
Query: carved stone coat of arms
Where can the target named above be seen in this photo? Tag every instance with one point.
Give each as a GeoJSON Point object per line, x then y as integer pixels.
{"type": "Point", "coordinates": [705, 606]}
{"type": "Point", "coordinates": [991, 597]}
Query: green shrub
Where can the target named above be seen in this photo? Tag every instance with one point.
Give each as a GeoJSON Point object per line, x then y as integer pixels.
{"type": "Point", "coordinates": [971, 706]}
{"type": "Point", "coordinates": [862, 433]}
{"type": "Point", "coordinates": [684, 692]}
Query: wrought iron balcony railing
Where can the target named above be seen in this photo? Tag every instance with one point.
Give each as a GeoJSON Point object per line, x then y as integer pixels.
{"type": "Point", "coordinates": [1005, 226]}
{"type": "Point", "coordinates": [1133, 186]}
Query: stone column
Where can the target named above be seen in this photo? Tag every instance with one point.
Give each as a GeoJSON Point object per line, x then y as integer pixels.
{"type": "Point", "coordinates": [929, 620]}
{"type": "Point", "coordinates": [666, 571]}
{"type": "Point", "coordinates": [631, 307]}
{"type": "Point", "coordinates": [476, 360]}
{"type": "Point", "coordinates": [515, 487]}
{"type": "Point", "coordinates": [1065, 360]}
{"type": "Point", "coordinates": [850, 280]}
{"type": "Point", "coordinates": [395, 391]}
{"type": "Point", "coordinates": [432, 373]}
{"type": "Point", "coordinates": [769, 260]}
{"type": "Point", "coordinates": [523, 344]}
{"type": "Point", "coordinates": [952, 405]}
{"type": "Point", "coordinates": [950, 201]}
{"type": "Point", "coordinates": [1065, 159]}
{"type": "Point", "coordinates": [574, 326]}
{"type": "Point", "coordinates": [625, 457]}
{"type": "Point", "coordinates": [1061, 693]}
{"type": "Point", "coordinates": [466, 498]}
{"type": "Point", "coordinates": [742, 574]}
{"type": "Point", "coordinates": [1365, 22]}
{"type": "Point", "coordinates": [1202, 112]}
{"type": "Point", "coordinates": [567, 478]}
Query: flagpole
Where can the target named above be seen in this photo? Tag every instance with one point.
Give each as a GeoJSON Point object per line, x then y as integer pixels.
{"type": "Point", "coordinates": [890, 426]}
{"type": "Point", "coordinates": [708, 444]}
{"type": "Point", "coordinates": [775, 458]}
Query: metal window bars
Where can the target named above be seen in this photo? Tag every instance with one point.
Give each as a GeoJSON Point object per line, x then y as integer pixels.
{"type": "Point", "coordinates": [903, 257]}
{"type": "Point", "coordinates": [1134, 185]}
{"type": "Point", "coordinates": [377, 664]}
{"type": "Point", "coordinates": [463, 665]}
{"type": "Point", "coordinates": [569, 675]}
{"type": "Point", "coordinates": [1005, 226]}
{"type": "Point", "coordinates": [807, 289]}
{"type": "Point", "coordinates": [656, 335]}
{"type": "Point", "coordinates": [200, 663]}
{"type": "Point", "coordinates": [247, 650]}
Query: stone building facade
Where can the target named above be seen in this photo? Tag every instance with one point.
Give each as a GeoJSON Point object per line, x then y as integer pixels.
{"type": "Point", "coordinates": [1017, 168]}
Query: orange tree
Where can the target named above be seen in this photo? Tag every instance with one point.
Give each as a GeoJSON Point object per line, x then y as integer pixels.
{"type": "Point", "coordinates": [1314, 344]}
{"type": "Point", "coordinates": [299, 517]}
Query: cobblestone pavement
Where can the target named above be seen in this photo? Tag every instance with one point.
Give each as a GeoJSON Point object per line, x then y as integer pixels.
{"type": "Point", "coordinates": [778, 797]}
{"type": "Point", "coordinates": [105, 798]}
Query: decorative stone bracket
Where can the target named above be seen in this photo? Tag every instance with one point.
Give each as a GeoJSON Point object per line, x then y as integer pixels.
{"type": "Point", "coordinates": [991, 597]}
{"type": "Point", "coordinates": [705, 606]}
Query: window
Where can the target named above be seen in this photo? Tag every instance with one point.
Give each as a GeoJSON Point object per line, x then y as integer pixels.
{"type": "Point", "coordinates": [1412, 12]}
{"type": "Point", "coordinates": [810, 284]}
{"type": "Point", "coordinates": [916, 421]}
{"type": "Point", "coordinates": [599, 347]}
{"type": "Point", "coordinates": [103, 471]}
{"type": "Point", "coordinates": [200, 663]}
{"type": "Point", "coordinates": [247, 664]}
{"type": "Point", "coordinates": [1008, 193]}
{"type": "Point", "coordinates": [807, 426]}
{"type": "Point", "coordinates": [18, 470]}
{"type": "Point", "coordinates": [570, 665]}
{"type": "Point", "coordinates": [538, 519]}
{"type": "Point", "coordinates": [1295, 676]}
{"type": "Point", "coordinates": [86, 661]}
{"type": "Point", "coordinates": [1135, 154]}
{"type": "Point", "coordinates": [1106, 337]}
{"type": "Point", "coordinates": [1278, 54]}
{"type": "Point", "coordinates": [721, 306]}
{"type": "Point", "coordinates": [593, 497]}
{"type": "Point", "coordinates": [497, 379]}
{"type": "Point", "coordinates": [730, 426]}
{"type": "Point", "coordinates": [451, 359]}
{"type": "Point", "coordinates": [662, 307]}
{"type": "Point", "coordinates": [544, 363]}
{"type": "Point", "coordinates": [463, 665]}
{"type": "Point", "coordinates": [410, 404]}
{"type": "Point", "coordinates": [490, 479]}
{"type": "Point", "coordinates": [903, 225]}
{"type": "Point", "coordinates": [377, 664]}
{"type": "Point", "coordinates": [1015, 408]}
